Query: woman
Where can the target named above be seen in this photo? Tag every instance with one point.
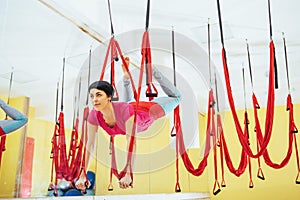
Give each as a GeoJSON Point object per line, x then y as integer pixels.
{"type": "Point", "coordinates": [117, 117]}
{"type": "Point", "coordinates": [18, 119]}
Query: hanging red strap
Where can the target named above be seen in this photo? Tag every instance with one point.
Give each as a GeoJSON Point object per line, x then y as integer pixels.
{"type": "Point", "coordinates": [105, 59]}
{"type": "Point", "coordinates": [113, 58]}
{"type": "Point", "coordinates": [172, 132]}
{"type": "Point", "coordinates": [297, 158]}
{"type": "Point", "coordinates": [114, 169]}
{"type": "Point", "coordinates": [290, 108]}
{"type": "Point", "coordinates": [270, 110]}
{"type": "Point", "coordinates": [260, 173]}
{"type": "Point", "coordinates": [84, 139]}
{"type": "Point", "coordinates": [257, 129]}
{"type": "Point", "coordinates": [114, 49]}
{"type": "Point", "coordinates": [293, 130]}
{"type": "Point", "coordinates": [124, 62]}
{"type": "Point", "coordinates": [111, 49]}
{"type": "Point", "coordinates": [251, 185]}
{"type": "Point", "coordinates": [73, 148]}
{"type": "Point", "coordinates": [2, 144]}
{"type": "Point", "coordinates": [270, 106]}
{"type": "Point", "coordinates": [246, 133]}
{"type": "Point", "coordinates": [78, 164]}
{"type": "Point", "coordinates": [113, 165]}
{"type": "Point", "coordinates": [151, 91]}
{"type": "Point", "coordinates": [220, 134]}
{"type": "Point", "coordinates": [146, 59]}
{"type": "Point", "coordinates": [58, 174]}
{"type": "Point", "coordinates": [182, 150]}
{"type": "Point", "coordinates": [63, 147]}
{"type": "Point", "coordinates": [243, 161]}
{"type": "Point", "coordinates": [216, 188]}
{"type": "Point", "coordinates": [177, 185]}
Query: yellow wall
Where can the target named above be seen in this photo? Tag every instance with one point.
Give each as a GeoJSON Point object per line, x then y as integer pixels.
{"type": "Point", "coordinates": [161, 179]}
{"type": "Point", "coordinates": [10, 156]}
{"type": "Point", "coordinates": [156, 177]}
{"type": "Point", "coordinates": [279, 184]}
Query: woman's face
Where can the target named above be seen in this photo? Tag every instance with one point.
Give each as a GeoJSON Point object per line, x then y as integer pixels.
{"type": "Point", "coordinates": [99, 99]}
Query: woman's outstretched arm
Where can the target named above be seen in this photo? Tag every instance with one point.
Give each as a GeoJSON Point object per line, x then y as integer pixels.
{"type": "Point", "coordinates": [126, 181]}
{"type": "Point", "coordinates": [90, 147]}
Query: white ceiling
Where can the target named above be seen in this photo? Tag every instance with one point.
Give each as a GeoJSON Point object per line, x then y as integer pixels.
{"type": "Point", "coordinates": [34, 39]}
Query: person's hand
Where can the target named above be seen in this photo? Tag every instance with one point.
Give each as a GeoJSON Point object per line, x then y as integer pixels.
{"type": "Point", "coordinates": [82, 183]}
{"type": "Point", "coordinates": [127, 60]}
{"type": "Point", "coordinates": [125, 182]}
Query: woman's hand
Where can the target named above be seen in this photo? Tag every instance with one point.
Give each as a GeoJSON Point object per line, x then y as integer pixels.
{"type": "Point", "coordinates": [125, 182]}
{"type": "Point", "coordinates": [127, 60]}
{"type": "Point", "coordinates": [82, 183]}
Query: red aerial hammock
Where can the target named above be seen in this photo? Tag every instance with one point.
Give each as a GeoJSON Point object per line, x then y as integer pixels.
{"type": "Point", "coordinates": [246, 129]}
{"type": "Point", "coordinates": [176, 112]}
{"type": "Point", "coordinates": [114, 50]}
{"type": "Point", "coordinates": [74, 134]}
{"type": "Point", "coordinates": [219, 132]}
{"type": "Point", "coordinates": [151, 92]}
{"type": "Point", "coordinates": [213, 131]}
{"type": "Point", "coordinates": [256, 106]}
{"type": "Point", "coordinates": [265, 154]}
{"type": "Point", "coordinates": [67, 167]}
{"type": "Point", "coordinates": [180, 146]}
{"type": "Point", "coordinates": [224, 150]}
{"type": "Point", "coordinates": [292, 130]}
{"type": "Point", "coordinates": [270, 107]}
{"type": "Point", "coordinates": [77, 164]}
{"type": "Point", "coordinates": [292, 127]}
{"type": "Point", "coordinates": [3, 137]}
{"type": "Point", "coordinates": [58, 152]}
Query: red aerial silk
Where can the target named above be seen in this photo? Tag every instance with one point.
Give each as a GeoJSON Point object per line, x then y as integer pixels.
{"type": "Point", "coordinates": [292, 130]}
{"type": "Point", "coordinates": [68, 167]}
{"type": "Point", "coordinates": [181, 146]}
{"type": "Point", "coordinates": [78, 159]}
{"type": "Point", "coordinates": [58, 148]}
{"type": "Point", "coordinates": [145, 62]}
{"type": "Point", "coordinates": [2, 143]}
{"type": "Point", "coordinates": [270, 108]}
{"type": "Point", "coordinates": [214, 135]}
{"type": "Point", "coordinates": [220, 133]}
{"type": "Point", "coordinates": [115, 50]}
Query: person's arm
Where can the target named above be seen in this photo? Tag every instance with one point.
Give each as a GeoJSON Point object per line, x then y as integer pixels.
{"type": "Point", "coordinates": [128, 95]}
{"type": "Point", "coordinates": [18, 119]}
{"type": "Point", "coordinates": [90, 147]}
{"type": "Point", "coordinates": [126, 181]}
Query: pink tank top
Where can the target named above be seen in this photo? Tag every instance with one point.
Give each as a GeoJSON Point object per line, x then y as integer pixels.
{"type": "Point", "coordinates": [123, 111]}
